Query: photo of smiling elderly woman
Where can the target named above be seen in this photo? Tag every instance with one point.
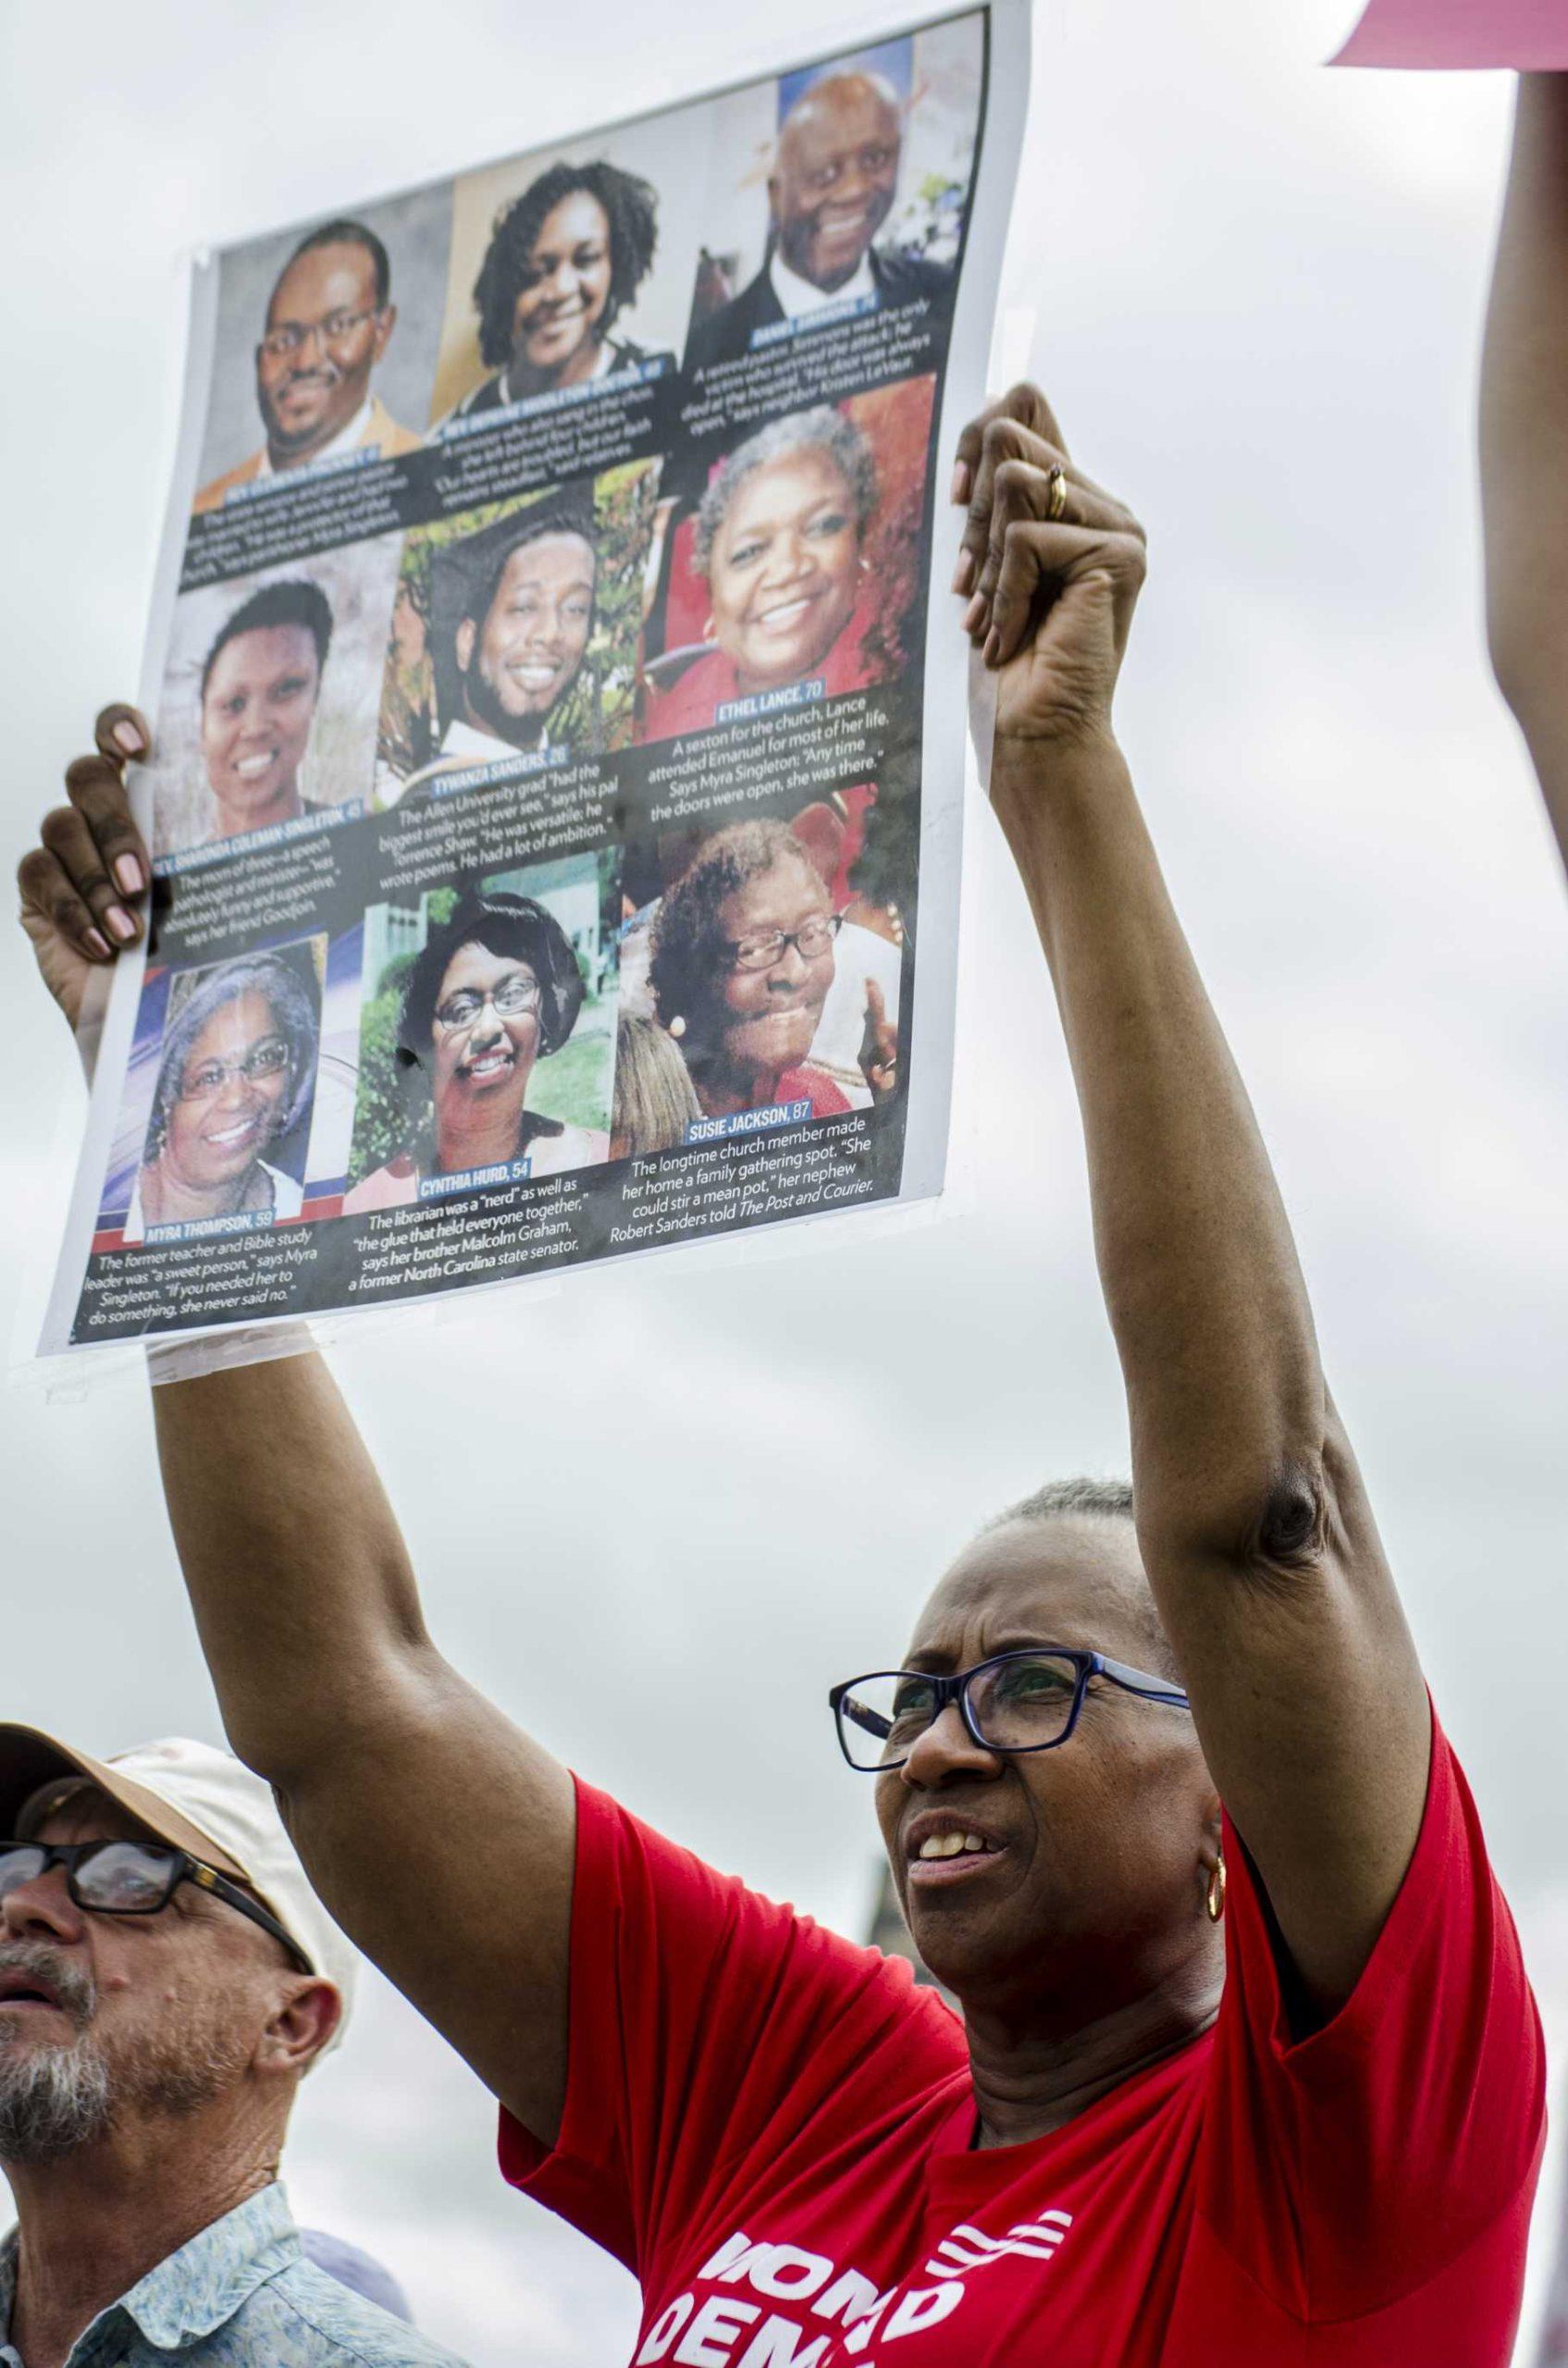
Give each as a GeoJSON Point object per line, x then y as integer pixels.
{"type": "Point", "coordinates": [231, 1103]}
{"type": "Point", "coordinates": [797, 576]}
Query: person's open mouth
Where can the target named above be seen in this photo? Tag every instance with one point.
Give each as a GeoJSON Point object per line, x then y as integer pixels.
{"type": "Point", "coordinates": [488, 1064]}
{"type": "Point", "coordinates": [251, 767]}
{"type": "Point", "coordinates": [947, 1852]}
{"type": "Point", "coordinates": [783, 618]}
{"type": "Point", "coordinates": [25, 1990]}
{"type": "Point", "coordinates": [243, 1130]}
{"type": "Point", "coordinates": [534, 679]}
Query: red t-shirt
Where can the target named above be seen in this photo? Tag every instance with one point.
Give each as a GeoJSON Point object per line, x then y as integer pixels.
{"type": "Point", "coordinates": [771, 2127]}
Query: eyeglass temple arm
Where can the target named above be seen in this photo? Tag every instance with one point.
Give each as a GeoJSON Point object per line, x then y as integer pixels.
{"type": "Point", "coordinates": [208, 1878]}
{"type": "Point", "coordinates": [1138, 1681]}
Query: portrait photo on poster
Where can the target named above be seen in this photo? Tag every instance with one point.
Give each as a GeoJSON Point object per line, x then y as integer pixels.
{"type": "Point", "coordinates": [487, 1033]}
{"type": "Point", "coordinates": [842, 184]}
{"type": "Point", "coordinates": [799, 574]}
{"type": "Point", "coordinates": [570, 265]}
{"type": "Point", "coordinates": [268, 710]}
{"type": "Point", "coordinates": [325, 344]}
{"type": "Point", "coordinates": [763, 960]}
{"type": "Point", "coordinates": [514, 633]}
{"type": "Point", "coordinates": [238, 1096]}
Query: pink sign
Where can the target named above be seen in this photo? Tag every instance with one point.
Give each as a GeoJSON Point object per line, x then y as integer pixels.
{"type": "Point", "coordinates": [1529, 34]}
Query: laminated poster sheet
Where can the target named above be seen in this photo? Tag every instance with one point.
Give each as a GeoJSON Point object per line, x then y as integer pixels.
{"type": "Point", "coordinates": [555, 798]}
{"type": "Point", "coordinates": [1529, 34]}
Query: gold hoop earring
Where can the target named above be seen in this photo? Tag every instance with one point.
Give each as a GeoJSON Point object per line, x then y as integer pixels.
{"type": "Point", "coordinates": [1214, 1898]}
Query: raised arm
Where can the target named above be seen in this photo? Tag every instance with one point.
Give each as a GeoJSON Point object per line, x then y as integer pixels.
{"type": "Point", "coordinates": [1525, 439]}
{"type": "Point", "coordinates": [441, 1837]}
{"type": "Point", "coordinates": [1255, 1528]}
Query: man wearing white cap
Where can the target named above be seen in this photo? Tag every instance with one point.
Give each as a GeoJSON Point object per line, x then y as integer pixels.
{"type": "Point", "coordinates": [167, 1976]}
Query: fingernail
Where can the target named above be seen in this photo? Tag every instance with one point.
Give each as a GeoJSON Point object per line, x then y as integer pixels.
{"type": "Point", "coordinates": [974, 612]}
{"type": "Point", "coordinates": [120, 922]}
{"type": "Point", "coordinates": [128, 737]}
{"type": "Point", "coordinates": [99, 944]}
{"type": "Point", "coordinates": [961, 481]}
{"type": "Point", "coordinates": [993, 647]}
{"type": "Point", "coordinates": [128, 872]}
{"type": "Point", "coordinates": [963, 575]}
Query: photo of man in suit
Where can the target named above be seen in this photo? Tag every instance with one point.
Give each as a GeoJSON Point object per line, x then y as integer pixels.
{"type": "Point", "coordinates": [834, 178]}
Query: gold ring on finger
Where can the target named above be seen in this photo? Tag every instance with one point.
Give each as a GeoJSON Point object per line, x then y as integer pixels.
{"type": "Point", "coordinates": [1056, 502]}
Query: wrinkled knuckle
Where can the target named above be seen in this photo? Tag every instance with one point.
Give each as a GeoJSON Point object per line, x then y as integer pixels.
{"type": "Point", "coordinates": [64, 912]}
{"type": "Point", "coordinates": [85, 773]}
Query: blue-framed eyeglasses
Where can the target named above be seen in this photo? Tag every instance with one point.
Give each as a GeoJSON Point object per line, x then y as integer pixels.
{"type": "Point", "coordinates": [1014, 1702]}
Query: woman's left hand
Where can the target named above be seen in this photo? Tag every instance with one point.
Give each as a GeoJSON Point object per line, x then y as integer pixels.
{"type": "Point", "coordinates": [1052, 566]}
{"type": "Point", "coordinates": [878, 1046]}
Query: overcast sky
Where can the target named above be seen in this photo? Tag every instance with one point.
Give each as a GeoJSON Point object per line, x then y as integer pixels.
{"type": "Point", "coordinates": [1256, 292]}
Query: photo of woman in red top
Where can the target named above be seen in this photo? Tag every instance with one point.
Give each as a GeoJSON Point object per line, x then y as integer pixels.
{"type": "Point", "coordinates": [1248, 2073]}
{"type": "Point", "coordinates": [796, 567]}
{"type": "Point", "coordinates": [742, 956]}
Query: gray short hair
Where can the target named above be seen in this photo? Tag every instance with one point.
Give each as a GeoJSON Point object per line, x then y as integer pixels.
{"type": "Point", "coordinates": [821, 430]}
{"type": "Point", "coordinates": [265, 974]}
{"type": "Point", "coordinates": [1103, 1500]}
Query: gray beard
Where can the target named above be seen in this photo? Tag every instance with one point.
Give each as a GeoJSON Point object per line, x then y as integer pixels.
{"type": "Point", "coordinates": [54, 2099]}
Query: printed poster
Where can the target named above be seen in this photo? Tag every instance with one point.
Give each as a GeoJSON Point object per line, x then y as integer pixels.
{"type": "Point", "coordinates": [557, 760]}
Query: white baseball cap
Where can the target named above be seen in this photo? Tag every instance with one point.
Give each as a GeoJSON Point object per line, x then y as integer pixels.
{"type": "Point", "coordinates": [201, 1800]}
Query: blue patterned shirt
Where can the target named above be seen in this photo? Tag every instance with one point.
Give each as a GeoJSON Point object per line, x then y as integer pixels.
{"type": "Point", "coordinates": [239, 2295]}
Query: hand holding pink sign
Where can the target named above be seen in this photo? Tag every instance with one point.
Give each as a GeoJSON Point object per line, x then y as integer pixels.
{"type": "Point", "coordinates": [1531, 35]}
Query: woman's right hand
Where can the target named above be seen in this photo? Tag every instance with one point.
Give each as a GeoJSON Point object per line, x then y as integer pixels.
{"type": "Point", "coordinates": [83, 887]}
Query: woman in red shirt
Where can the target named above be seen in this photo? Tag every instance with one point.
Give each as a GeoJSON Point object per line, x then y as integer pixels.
{"type": "Point", "coordinates": [781, 543]}
{"type": "Point", "coordinates": [1249, 2072]}
{"type": "Point", "coordinates": [742, 960]}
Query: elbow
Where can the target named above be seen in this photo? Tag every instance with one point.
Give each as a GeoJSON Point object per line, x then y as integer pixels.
{"type": "Point", "coordinates": [300, 1736]}
{"type": "Point", "coordinates": [1273, 1526]}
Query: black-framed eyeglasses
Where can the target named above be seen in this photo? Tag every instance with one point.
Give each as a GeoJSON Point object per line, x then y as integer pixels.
{"type": "Point", "coordinates": [1014, 1702]}
{"type": "Point", "coordinates": [761, 952]}
{"type": "Point", "coordinates": [132, 1879]}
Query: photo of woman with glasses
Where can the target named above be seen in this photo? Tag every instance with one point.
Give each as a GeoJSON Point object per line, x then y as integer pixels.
{"type": "Point", "coordinates": [236, 1077]}
{"type": "Point", "coordinates": [496, 989]}
{"type": "Point", "coordinates": [741, 965]}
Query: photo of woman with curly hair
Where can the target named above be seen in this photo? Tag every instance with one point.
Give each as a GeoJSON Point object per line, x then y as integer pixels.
{"type": "Point", "coordinates": [564, 261]}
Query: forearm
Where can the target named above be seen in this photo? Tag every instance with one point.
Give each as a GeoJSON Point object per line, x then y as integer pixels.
{"type": "Point", "coordinates": [1524, 437]}
{"type": "Point", "coordinates": [1226, 1396]}
{"type": "Point", "coordinates": [298, 1575]}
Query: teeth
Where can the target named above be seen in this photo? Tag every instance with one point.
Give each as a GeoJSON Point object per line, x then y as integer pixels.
{"type": "Point", "coordinates": [780, 618]}
{"type": "Point", "coordinates": [249, 767]}
{"type": "Point", "coordinates": [950, 1845]}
